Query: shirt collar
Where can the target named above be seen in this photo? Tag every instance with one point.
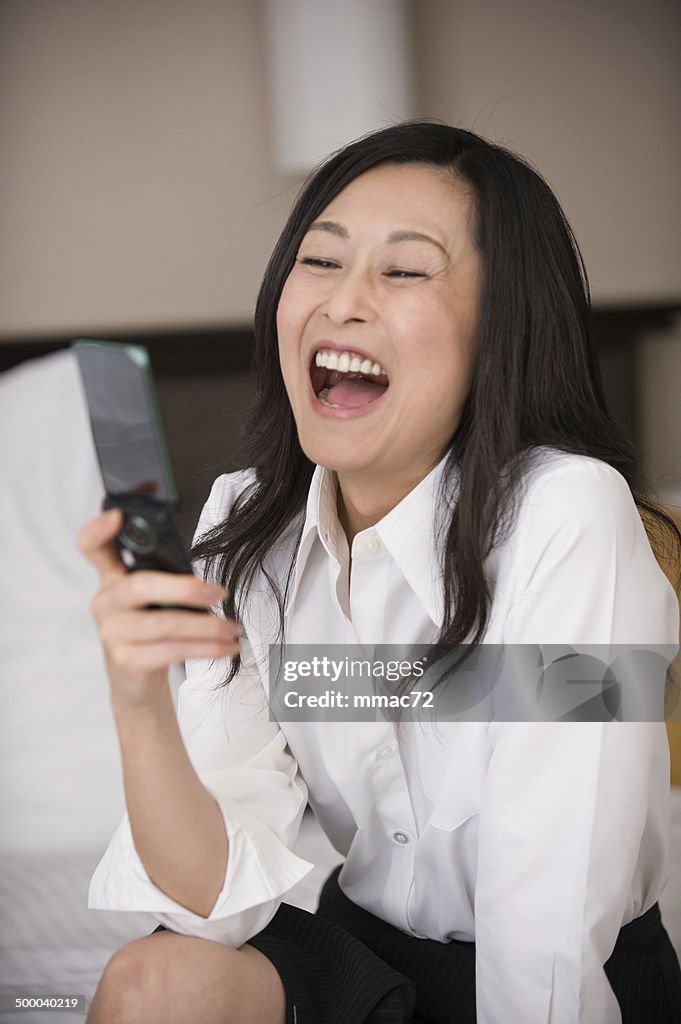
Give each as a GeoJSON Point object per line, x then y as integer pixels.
{"type": "Point", "coordinates": [320, 511]}
{"type": "Point", "coordinates": [409, 532]}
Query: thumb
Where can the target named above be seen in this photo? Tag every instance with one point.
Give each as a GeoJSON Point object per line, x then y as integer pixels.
{"type": "Point", "coordinates": [95, 542]}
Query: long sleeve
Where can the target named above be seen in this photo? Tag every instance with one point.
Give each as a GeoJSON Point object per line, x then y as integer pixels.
{"type": "Point", "coordinates": [574, 816]}
{"type": "Point", "coordinates": [243, 761]}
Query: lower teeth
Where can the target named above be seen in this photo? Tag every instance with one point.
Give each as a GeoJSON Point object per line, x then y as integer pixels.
{"type": "Point", "coordinates": [322, 398]}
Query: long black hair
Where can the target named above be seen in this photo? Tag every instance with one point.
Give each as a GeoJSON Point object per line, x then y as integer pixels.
{"type": "Point", "coordinates": [537, 379]}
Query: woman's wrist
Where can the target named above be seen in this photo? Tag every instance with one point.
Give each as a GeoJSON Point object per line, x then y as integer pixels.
{"type": "Point", "coordinates": [133, 708]}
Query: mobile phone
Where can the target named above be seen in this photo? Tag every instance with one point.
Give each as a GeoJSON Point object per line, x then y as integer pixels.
{"type": "Point", "coordinates": [132, 453]}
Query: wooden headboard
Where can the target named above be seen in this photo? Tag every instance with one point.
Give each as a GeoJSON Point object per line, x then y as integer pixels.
{"type": "Point", "coordinates": [672, 568]}
{"type": "Point", "coordinates": [674, 730]}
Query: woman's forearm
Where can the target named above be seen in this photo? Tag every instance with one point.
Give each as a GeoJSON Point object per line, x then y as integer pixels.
{"type": "Point", "coordinates": [177, 827]}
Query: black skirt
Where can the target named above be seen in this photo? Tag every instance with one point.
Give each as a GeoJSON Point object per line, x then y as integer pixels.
{"type": "Point", "coordinates": [343, 965]}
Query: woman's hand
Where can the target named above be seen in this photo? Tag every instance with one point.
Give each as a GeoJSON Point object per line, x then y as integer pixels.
{"type": "Point", "coordinates": [140, 644]}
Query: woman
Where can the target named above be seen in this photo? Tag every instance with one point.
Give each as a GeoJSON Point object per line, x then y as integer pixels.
{"type": "Point", "coordinates": [433, 462]}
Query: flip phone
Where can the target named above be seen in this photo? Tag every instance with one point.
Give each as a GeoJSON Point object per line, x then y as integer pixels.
{"type": "Point", "coordinates": [132, 454]}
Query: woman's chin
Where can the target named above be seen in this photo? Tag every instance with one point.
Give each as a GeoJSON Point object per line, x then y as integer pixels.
{"type": "Point", "coordinates": [340, 463]}
{"type": "Point", "coordinates": [335, 455]}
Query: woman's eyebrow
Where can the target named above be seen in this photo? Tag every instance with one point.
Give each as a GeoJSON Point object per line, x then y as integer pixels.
{"type": "Point", "coordinates": [415, 236]}
{"type": "Point", "coordinates": [334, 228]}
{"type": "Point", "coordinates": [331, 226]}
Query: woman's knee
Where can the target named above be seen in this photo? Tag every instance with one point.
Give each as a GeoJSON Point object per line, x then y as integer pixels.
{"type": "Point", "coordinates": [132, 986]}
{"type": "Point", "coordinates": [167, 977]}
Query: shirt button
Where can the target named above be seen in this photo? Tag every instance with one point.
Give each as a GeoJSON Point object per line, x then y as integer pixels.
{"type": "Point", "coordinates": [384, 751]}
{"type": "Point", "coordinates": [402, 838]}
{"type": "Point", "coordinates": [369, 546]}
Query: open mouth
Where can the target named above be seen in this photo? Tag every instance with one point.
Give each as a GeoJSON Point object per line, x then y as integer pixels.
{"type": "Point", "coordinates": [347, 380]}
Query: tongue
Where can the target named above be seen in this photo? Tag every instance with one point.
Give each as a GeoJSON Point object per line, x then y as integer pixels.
{"type": "Point", "coordinates": [354, 392]}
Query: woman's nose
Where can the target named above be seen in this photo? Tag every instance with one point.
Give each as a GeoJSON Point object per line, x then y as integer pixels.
{"type": "Point", "coordinates": [349, 299]}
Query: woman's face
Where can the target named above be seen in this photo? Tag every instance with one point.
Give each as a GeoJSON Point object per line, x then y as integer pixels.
{"type": "Point", "coordinates": [387, 278]}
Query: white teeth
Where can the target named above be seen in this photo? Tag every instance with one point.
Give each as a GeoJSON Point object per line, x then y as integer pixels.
{"type": "Point", "coordinates": [347, 362]}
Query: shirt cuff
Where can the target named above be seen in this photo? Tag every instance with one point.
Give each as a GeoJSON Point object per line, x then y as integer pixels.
{"type": "Point", "coordinates": [260, 870]}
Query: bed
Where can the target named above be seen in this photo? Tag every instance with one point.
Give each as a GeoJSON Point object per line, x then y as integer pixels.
{"type": "Point", "coordinates": [61, 792]}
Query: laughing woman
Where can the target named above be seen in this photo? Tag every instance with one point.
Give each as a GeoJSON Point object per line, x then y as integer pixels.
{"type": "Point", "coordinates": [433, 463]}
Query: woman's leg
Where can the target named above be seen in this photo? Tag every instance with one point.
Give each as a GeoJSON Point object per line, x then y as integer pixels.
{"type": "Point", "coordinates": [166, 978]}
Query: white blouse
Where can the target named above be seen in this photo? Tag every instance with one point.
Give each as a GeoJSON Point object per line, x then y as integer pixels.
{"type": "Point", "coordinates": [536, 840]}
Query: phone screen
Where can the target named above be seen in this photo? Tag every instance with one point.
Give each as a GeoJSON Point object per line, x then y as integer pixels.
{"type": "Point", "coordinates": [125, 420]}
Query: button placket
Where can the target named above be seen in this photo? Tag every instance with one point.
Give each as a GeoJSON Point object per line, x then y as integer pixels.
{"type": "Point", "coordinates": [370, 576]}
{"type": "Point", "coordinates": [394, 806]}
{"type": "Point", "coordinates": [414, 931]}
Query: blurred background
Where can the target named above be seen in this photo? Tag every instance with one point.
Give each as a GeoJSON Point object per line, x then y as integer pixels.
{"type": "Point", "coordinates": [150, 151]}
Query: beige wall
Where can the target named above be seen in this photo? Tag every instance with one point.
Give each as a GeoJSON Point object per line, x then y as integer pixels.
{"type": "Point", "coordinates": [659, 359]}
{"type": "Point", "coordinates": [136, 187]}
{"type": "Point", "coordinates": [136, 184]}
{"type": "Point", "coordinates": [590, 92]}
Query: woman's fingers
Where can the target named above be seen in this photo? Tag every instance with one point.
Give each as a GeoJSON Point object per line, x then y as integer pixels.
{"type": "Point", "coordinates": [133, 659]}
{"type": "Point", "coordinates": [95, 542]}
{"type": "Point", "coordinates": [140, 642]}
{"type": "Point", "coordinates": [170, 626]}
{"type": "Point", "coordinates": [137, 590]}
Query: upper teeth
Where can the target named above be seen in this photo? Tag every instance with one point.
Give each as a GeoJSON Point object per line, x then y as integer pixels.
{"type": "Point", "coordinates": [347, 362]}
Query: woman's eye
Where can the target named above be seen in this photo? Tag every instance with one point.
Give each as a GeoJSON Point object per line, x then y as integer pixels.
{"type": "Point", "coordinates": [313, 261]}
{"type": "Point", "coordinates": [404, 273]}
